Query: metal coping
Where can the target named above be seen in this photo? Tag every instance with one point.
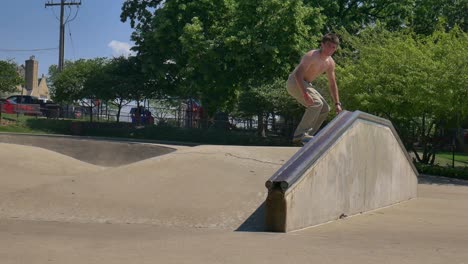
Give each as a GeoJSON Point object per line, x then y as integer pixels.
{"type": "Point", "coordinates": [296, 166]}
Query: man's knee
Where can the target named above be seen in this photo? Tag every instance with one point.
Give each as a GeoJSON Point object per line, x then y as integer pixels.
{"type": "Point", "coordinates": [318, 104]}
{"type": "Point", "coordinates": [325, 109]}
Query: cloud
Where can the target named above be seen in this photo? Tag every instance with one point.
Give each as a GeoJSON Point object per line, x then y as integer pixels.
{"type": "Point", "coordinates": [120, 48]}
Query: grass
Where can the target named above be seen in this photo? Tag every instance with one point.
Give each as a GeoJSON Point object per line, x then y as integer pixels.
{"type": "Point", "coordinates": [15, 124]}
{"type": "Point", "coordinates": [445, 158]}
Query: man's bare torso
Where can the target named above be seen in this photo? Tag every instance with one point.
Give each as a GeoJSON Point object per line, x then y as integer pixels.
{"type": "Point", "coordinates": [314, 65]}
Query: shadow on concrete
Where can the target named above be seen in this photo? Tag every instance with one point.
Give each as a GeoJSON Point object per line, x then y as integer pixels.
{"type": "Point", "coordinates": [439, 180]}
{"type": "Point", "coordinates": [101, 152]}
{"type": "Point", "coordinates": [255, 222]}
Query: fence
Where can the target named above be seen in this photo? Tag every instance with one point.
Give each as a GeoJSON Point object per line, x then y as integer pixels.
{"type": "Point", "coordinates": [182, 116]}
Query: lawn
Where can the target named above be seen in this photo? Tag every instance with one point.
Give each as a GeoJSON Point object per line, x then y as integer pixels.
{"type": "Point", "coordinates": [446, 158]}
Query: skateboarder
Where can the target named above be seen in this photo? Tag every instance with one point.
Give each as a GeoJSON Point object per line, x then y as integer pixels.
{"type": "Point", "coordinates": [313, 64]}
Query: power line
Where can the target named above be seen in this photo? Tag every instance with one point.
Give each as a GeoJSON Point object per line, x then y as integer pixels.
{"type": "Point", "coordinates": [71, 41]}
{"type": "Point", "coordinates": [26, 50]}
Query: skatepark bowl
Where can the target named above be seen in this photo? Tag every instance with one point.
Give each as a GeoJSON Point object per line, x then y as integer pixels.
{"type": "Point", "coordinates": [86, 200]}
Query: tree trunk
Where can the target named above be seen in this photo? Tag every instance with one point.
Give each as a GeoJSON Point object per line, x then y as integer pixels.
{"type": "Point", "coordinates": [261, 130]}
{"type": "Point", "coordinates": [91, 113]}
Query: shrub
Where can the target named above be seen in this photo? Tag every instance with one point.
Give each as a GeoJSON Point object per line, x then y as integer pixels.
{"type": "Point", "coordinates": [457, 172]}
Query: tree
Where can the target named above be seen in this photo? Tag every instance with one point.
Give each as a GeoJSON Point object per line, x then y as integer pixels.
{"type": "Point", "coordinates": [269, 100]}
{"type": "Point", "coordinates": [451, 50]}
{"type": "Point", "coordinates": [9, 77]}
{"type": "Point", "coordinates": [53, 75]}
{"type": "Point", "coordinates": [268, 38]}
{"type": "Point", "coordinates": [71, 84]}
{"type": "Point", "coordinates": [405, 78]}
{"type": "Point", "coordinates": [119, 81]}
{"type": "Point", "coordinates": [427, 15]}
{"type": "Point", "coordinates": [214, 49]}
{"type": "Point", "coordinates": [354, 15]}
{"type": "Point", "coordinates": [140, 14]}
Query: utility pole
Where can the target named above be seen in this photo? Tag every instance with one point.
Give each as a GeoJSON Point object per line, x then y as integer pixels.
{"type": "Point", "coordinates": [62, 4]}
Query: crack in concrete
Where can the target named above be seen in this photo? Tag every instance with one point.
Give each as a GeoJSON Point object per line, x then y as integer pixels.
{"type": "Point", "coordinates": [229, 155]}
{"type": "Point", "coordinates": [261, 161]}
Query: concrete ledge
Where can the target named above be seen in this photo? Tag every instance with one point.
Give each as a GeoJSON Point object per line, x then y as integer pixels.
{"type": "Point", "coordinates": [357, 163]}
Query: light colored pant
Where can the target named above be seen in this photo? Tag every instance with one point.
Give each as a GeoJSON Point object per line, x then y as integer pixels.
{"type": "Point", "coordinates": [314, 115]}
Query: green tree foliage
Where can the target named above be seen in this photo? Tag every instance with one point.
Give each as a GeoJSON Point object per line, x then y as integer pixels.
{"type": "Point", "coordinates": [213, 49]}
{"type": "Point", "coordinates": [271, 99]}
{"type": "Point", "coordinates": [183, 49]}
{"type": "Point", "coordinates": [70, 84]}
{"type": "Point", "coordinates": [414, 81]}
{"type": "Point", "coordinates": [53, 75]}
{"type": "Point", "coordinates": [420, 15]}
{"type": "Point", "coordinates": [9, 77]}
{"type": "Point", "coordinates": [354, 15]}
{"type": "Point", "coordinates": [269, 37]}
{"type": "Point", "coordinates": [140, 14]}
{"type": "Point", "coordinates": [119, 82]}
{"type": "Point", "coordinates": [428, 14]}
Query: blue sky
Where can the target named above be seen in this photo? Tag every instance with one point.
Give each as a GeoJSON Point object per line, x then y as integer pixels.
{"type": "Point", "coordinates": [26, 26]}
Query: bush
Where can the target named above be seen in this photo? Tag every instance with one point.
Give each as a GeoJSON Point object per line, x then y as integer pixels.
{"type": "Point", "coordinates": [457, 172]}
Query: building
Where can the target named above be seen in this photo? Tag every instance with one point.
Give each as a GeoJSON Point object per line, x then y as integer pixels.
{"type": "Point", "coordinates": [33, 86]}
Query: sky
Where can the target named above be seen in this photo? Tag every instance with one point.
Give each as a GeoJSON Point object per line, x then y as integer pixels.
{"type": "Point", "coordinates": [28, 28]}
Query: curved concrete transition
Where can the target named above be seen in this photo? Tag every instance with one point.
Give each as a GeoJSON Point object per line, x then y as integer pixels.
{"type": "Point", "coordinates": [97, 151]}
{"type": "Point", "coordinates": [357, 163]}
{"type": "Point", "coordinates": [200, 187]}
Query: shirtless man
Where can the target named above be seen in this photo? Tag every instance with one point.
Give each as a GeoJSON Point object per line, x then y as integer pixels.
{"type": "Point", "coordinates": [313, 64]}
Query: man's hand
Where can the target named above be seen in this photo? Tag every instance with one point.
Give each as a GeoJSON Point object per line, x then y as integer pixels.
{"type": "Point", "coordinates": [338, 108]}
{"type": "Point", "coordinates": [309, 101]}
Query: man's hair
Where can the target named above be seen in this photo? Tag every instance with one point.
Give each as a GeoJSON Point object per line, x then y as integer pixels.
{"type": "Point", "coordinates": [331, 37]}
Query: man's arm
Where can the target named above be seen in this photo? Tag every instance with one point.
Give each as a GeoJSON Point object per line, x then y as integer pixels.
{"type": "Point", "coordinates": [333, 87]}
{"type": "Point", "coordinates": [301, 69]}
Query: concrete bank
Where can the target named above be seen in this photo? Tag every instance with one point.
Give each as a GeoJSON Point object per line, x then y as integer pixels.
{"type": "Point", "coordinates": [98, 151]}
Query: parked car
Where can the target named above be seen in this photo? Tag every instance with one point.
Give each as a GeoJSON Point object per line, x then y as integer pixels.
{"type": "Point", "coordinates": [23, 99]}
{"type": "Point", "coordinates": [32, 105]}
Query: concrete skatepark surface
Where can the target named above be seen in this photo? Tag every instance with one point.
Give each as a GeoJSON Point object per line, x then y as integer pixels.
{"type": "Point", "coordinates": [203, 204]}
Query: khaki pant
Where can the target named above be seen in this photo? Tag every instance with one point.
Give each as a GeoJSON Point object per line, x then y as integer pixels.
{"type": "Point", "coordinates": [314, 115]}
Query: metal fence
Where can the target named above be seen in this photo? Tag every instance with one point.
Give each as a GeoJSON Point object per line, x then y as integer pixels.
{"type": "Point", "coordinates": [183, 118]}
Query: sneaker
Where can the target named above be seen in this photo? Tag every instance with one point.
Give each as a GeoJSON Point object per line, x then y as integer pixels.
{"type": "Point", "coordinates": [297, 141]}
{"type": "Point", "coordinates": [306, 139]}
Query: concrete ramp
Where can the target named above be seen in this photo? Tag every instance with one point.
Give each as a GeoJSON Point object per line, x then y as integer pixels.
{"type": "Point", "coordinates": [357, 163]}
{"type": "Point", "coordinates": [94, 150]}
{"type": "Point", "coordinates": [217, 187]}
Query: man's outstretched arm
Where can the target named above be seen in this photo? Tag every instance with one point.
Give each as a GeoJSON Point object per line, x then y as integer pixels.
{"type": "Point", "coordinates": [334, 88]}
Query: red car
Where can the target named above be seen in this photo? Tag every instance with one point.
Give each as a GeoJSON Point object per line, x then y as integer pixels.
{"type": "Point", "coordinates": [25, 104]}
